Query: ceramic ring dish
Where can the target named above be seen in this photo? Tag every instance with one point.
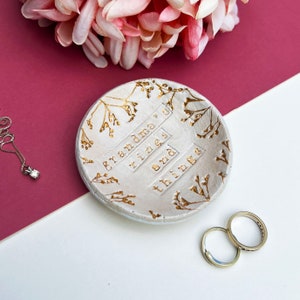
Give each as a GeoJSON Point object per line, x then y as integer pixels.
{"type": "Point", "coordinates": [153, 150]}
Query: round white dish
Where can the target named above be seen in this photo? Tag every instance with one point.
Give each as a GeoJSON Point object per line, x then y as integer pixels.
{"type": "Point", "coordinates": [153, 150]}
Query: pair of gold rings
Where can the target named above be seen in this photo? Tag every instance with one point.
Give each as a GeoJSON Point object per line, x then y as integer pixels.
{"type": "Point", "coordinates": [233, 239]}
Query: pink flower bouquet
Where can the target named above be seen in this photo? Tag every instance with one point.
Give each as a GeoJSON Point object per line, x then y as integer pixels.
{"type": "Point", "coordinates": [128, 31]}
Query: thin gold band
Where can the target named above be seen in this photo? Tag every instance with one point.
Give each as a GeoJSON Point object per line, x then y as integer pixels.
{"type": "Point", "coordinates": [210, 258]}
{"type": "Point", "coordinates": [261, 225]}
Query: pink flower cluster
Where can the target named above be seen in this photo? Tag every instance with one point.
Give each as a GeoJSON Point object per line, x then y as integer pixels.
{"type": "Point", "coordinates": [128, 31]}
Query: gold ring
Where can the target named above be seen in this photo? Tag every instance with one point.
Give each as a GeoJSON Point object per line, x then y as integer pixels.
{"type": "Point", "coordinates": [261, 225]}
{"type": "Point", "coordinates": [210, 258]}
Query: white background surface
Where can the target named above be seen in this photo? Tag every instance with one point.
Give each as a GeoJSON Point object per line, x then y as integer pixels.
{"type": "Point", "coordinates": [85, 251]}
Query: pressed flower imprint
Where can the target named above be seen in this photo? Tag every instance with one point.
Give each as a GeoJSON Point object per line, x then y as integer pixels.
{"type": "Point", "coordinates": [104, 179]}
{"type": "Point", "coordinates": [154, 215]}
{"type": "Point", "coordinates": [120, 196]}
{"type": "Point", "coordinates": [109, 118]}
{"type": "Point", "coordinates": [223, 154]}
{"type": "Point", "coordinates": [86, 160]}
{"type": "Point", "coordinates": [86, 143]}
{"type": "Point", "coordinates": [201, 189]}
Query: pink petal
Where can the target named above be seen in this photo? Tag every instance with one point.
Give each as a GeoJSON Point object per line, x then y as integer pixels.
{"type": "Point", "coordinates": [124, 8]}
{"type": "Point", "coordinates": [209, 29]}
{"type": "Point", "coordinates": [193, 53]}
{"type": "Point", "coordinates": [130, 52]}
{"type": "Point", "coordinates": [169, 14]}
{"type": "Point", "coordinates": [63, 33]}
{"type": "Point", "coordinates": [172, 29]}
{"type": "Point", "coordinates": [146, 35]}
{"type": "Point", "coordinates": [206, 7]}
{"type": "Point", "coordinates": [161, 52]}
{"type": "Point", "coordinates": [229, 4]}
{"type": "Point", "coordinates": [154, 44]}
{"type": "Point", "coordinates": [217, 17]}
{"type": "Point", "coordinates": [106, 28]}
{"type": "Point", "coordinates": [144, 59]}
{"type": "Point", "coordinates": [102, 3]}
{"type": "Point", "coordinates": [234, 13]}
{"type": "Point", "coordinates": [98, 29]}
{"type": "Point", "coordinates": [188, 9]}
{"type": "Point", "coordinates": [176, 3]}
{"type": "Point", "coordinates": [228, 24]}
{"type": "Point", "coordinates": [30, 5]}
{"type": "Point", "coordinates": [233, 10]}
{"type": "Point", "coordinates": [194, 32]}
{"type": "Point", "coordinates": [98, 61]}
{"type": "Point", "coordinates": [114, 49]}
{"type": "Point", "coordinates": [171, 41]}
{"type": "Point", "coordinates": [94, 44]}
{"type": "Point", "coordinates": [68, 6]}
{"type": "Point", "coordinates": [194, 39]}
{"type": "Point", "coordinates": [231, 19]}
{"type": "Point", "coordinates": [53, 14]}
{"type": "Point", "coordinates": [84, 21]}
{"type": "Point", "coordinates": [203, 42]}
{"type": "Point", "coordinates": [130, 30]}
{"type": "Point", "coordinates": [150, 21]}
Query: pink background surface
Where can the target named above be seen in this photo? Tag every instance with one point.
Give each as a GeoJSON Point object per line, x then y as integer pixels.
{"type": "Point", "coordinates": [46, 90]}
